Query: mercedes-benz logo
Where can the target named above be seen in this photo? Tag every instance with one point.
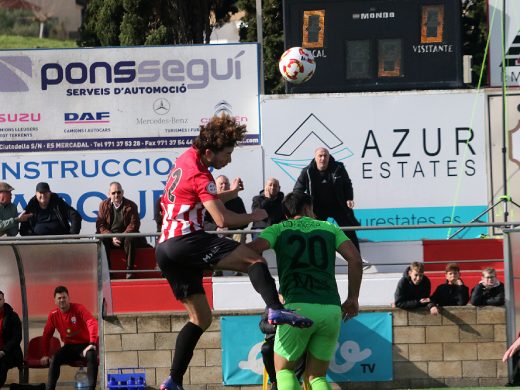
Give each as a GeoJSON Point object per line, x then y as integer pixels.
{"type": "Point", "coordinates": [161, 106]}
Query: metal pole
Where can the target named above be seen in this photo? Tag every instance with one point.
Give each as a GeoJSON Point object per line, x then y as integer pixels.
{"type": "Point", "coordinates": [509, 279]}
{"type": "Point", "coordinates": [25, 310]}
{"type": "Point", "coordinates": [504, 131]}
{"type": "Point", "coordinates": [260, 40]}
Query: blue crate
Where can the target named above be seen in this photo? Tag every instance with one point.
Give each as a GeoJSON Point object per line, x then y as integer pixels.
{"type": "Point", "coordinates": [124, 380]}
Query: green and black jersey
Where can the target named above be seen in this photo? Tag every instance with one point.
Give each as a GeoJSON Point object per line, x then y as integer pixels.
{"type": "Point", "coordinates": [305, 255]}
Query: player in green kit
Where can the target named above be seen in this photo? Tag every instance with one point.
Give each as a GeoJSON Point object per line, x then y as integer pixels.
{"type": "Point", "coordinates": [305, 254]}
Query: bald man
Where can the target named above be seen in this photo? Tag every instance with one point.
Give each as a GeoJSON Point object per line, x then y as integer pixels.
{"type": "Point", "coordinates": [327, 181]}
{"type": "Point", "coordinates": [269, 199]}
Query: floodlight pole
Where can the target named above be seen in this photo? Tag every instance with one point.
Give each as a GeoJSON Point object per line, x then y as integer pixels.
{"type": "Point", "coordinates": [260, 40]}
{"type": "Point", "coordinates": [504, 130]}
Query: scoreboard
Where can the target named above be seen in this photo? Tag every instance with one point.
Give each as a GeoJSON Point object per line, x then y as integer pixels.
{"type": "Point", "coordinates": [377, 45]}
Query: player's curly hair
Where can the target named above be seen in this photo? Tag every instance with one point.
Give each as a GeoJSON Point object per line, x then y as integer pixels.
{"type": "Point", "coordinates": [219, 133]}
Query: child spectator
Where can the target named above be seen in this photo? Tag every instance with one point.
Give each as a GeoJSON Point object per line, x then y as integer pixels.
{"type": "Point", "coordinates": [490, 291]}
{"type": "Point", "coordinates": [451, 293]}
{"type": "Point", "coordinates": [414, 288]}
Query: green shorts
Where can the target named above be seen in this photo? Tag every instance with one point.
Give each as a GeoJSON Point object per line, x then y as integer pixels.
{"type": "Point", "coordinates": [320, 339]}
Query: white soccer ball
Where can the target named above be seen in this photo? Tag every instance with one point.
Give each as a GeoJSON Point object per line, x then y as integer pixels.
{"type": "Point", "coordinates": [297, 65]}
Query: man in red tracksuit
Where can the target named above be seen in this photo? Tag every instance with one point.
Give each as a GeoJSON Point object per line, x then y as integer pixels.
{"type": "Point", "coordinates": [78, 330]}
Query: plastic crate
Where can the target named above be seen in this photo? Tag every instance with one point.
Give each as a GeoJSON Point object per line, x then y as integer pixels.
{"type": "Point", "coordinates": [126, 378]}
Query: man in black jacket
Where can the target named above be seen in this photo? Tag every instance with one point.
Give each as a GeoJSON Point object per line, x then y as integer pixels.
{"type": "Point", "coordinates": [51, 215]}
{"type": "Point", "coordinates": [269, 199]}
{"type": "Point", "coordinates": [10, 339]}
{"type": "Point", "coordinates": [327, 181]}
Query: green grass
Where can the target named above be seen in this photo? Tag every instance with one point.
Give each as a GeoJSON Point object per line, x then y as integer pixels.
{"type": "Point", "coordinates": [19, 42]}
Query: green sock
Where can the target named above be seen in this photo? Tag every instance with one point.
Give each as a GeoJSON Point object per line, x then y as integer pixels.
{"type": "Point", "coordinates": [320, 383]}
{"type": "Point", "coordinates": [286, 380]}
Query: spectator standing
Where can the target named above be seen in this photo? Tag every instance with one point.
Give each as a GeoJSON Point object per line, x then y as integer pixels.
{"type": "Point", "coordinates": [9, 216]}
{"type": "Point", "coordinates": [78, 331]}
{"type": "Point", "coordinates": [10, 339]}
{"type": "Point", "coordinates": [451, 293]}
{"type": "Point", "coordinates": [269, 199]}
{"type": "Point", "coordinates": [50, 215]}
{"type": "Point", "coordinates": [414, 288]}
{"type": "Point", "coordinates": [118, 214]}
{"type": "Point", "coordinates": [329, 184]}
{"type": "Point", "coordinates": [490, 290]}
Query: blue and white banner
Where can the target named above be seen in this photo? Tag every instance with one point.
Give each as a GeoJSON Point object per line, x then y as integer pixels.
{"type": "Point", "coordinates": [502, 57]}
{"type": "Point", "coordinates": [414, 158]}
{"type": "Point", "coordinates": [363, 354]}
{"type": "Point", "coordinates": [122, 98]}
{"type": "Point", "coordinates": [83, 179]}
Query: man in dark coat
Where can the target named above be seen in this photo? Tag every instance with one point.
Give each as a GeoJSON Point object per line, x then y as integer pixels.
{"type": "Point", "coordinates": [51, 215]}
{"type": "Point", "coordinates": [118, 214]}
{"type": "Point", "coordinates": [327, 181]}
{"type": "Point", "coordinates": [10, 339]}
{"type": "Point", "coordinates": [413, 290]}
{"type": "Point", "coordinates": [269, 199]}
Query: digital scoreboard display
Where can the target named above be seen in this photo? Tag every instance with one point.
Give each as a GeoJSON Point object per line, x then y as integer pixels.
{"type": "Point", "coordinates": [363, 45]}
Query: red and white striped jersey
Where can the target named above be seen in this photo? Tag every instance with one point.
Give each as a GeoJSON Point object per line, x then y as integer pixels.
{"type": "Point", "coordinates": [189, 184]}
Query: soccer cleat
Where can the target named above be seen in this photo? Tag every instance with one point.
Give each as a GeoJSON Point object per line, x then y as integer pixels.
{"type": "Point", "coordinates": [169, 384]}
{"type": "Point", "coordinates": [289, 317]}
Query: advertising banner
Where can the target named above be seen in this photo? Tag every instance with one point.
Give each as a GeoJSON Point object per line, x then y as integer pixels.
{"type": "Point", "coordinates": [510, 54]}
{"type": "Point", "coordinates": [83, 179]}
{"type": "Point", "coordinates": [123, 98]}
{"type": "Point", "coordinates": [413, 158]}
{"type": "Point", "coordinates": [363, 353]}
{"type": "Point", "coordinates": [505, 163]}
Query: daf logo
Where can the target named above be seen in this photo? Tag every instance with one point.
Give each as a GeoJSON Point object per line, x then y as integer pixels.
{"type": "Point", "coordinates": [161, 106]}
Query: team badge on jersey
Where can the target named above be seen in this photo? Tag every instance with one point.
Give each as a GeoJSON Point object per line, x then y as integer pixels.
{"type": "Point", "coordinates": [73, 319]}
{"type": "Point", "coordinates": [212, 188]}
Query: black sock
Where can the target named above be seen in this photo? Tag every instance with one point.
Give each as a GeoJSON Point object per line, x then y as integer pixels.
{"type": "Point", "coordinates": [264, 284]}
{"type": "Point", "coordinates": [186, 341]}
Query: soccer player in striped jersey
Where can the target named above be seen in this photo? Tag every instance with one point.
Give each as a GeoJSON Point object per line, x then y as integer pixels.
{"type": "Point", "coordinates": [185, 250]}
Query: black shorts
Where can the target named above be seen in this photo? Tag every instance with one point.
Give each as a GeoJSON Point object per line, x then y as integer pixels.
{"type": "Point", "coordinates": [183, 259]}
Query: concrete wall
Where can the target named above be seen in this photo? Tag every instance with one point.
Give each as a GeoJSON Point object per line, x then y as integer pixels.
{"type": "Point", "coordinates": [461, 347]}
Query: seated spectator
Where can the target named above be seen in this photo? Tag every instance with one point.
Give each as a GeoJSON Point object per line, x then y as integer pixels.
{"type": "Point", "coordinates": [229, 196]}
{"type": "Point", "coordinates": [51, 215]}
{"type": "Point", "coordinates": [158, 214]}
{"type": "Point", "coordinates": [269, 199]}
{"type": "Point", "coordinates": [118, 214]}
{"type": "Point", "coordinates": [10, 339]}
{"type": "Point", "coordinates": [414, 288]}
{"type": "Point", "coordinates": [9, 215]}
{"type": "Point", "coordinates": [451, 293]}
{"type": "Point", "coordinates": [490, 291]}
{"type": "Point", "coordinates": [78, 330]}
{"type": "Point", "coordinates": [231, 201]}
